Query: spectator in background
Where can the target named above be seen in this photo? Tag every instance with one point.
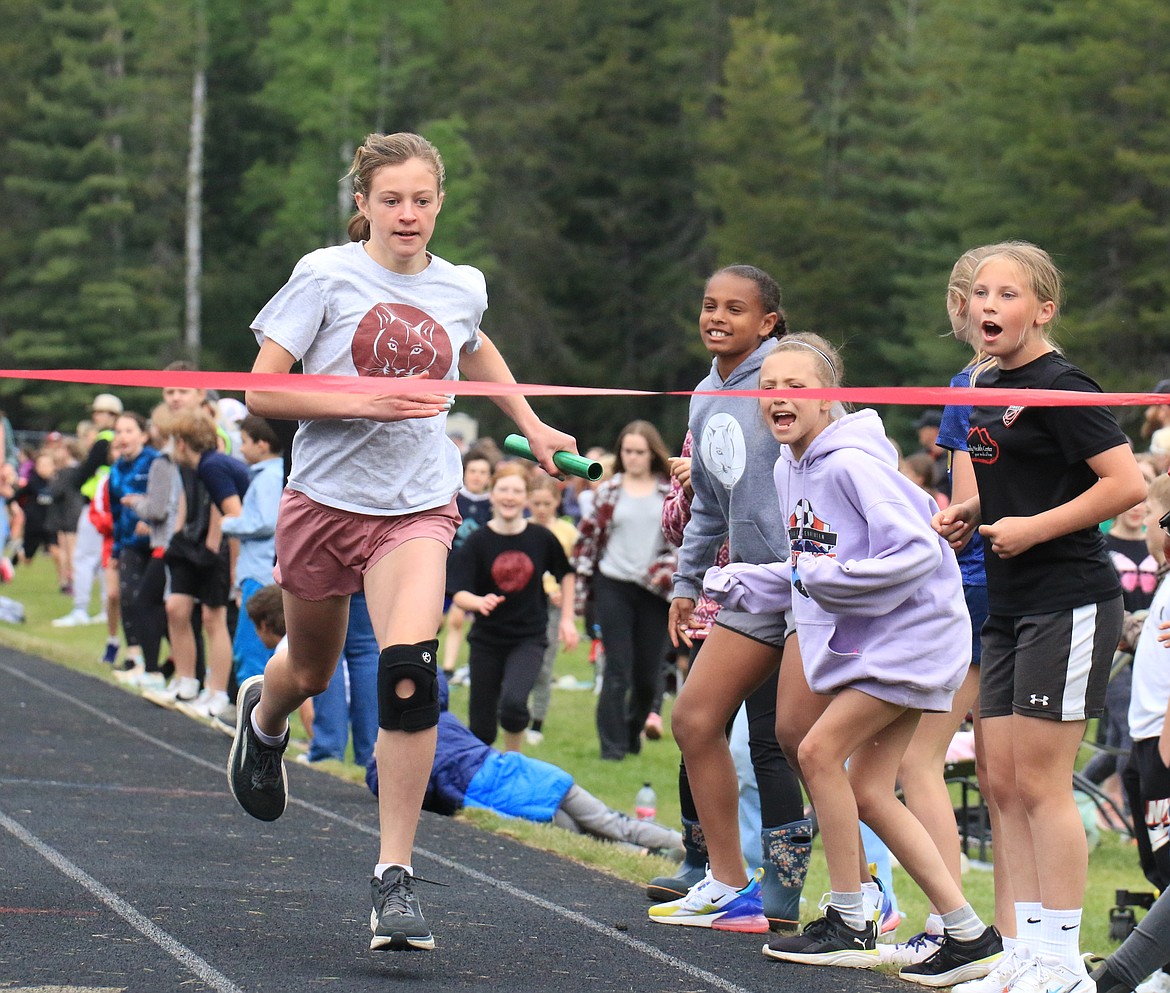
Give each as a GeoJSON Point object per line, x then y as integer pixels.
{"type": "Point", "coordinates": [1160, 448]}
{"type": "Point", "coordinates": [255, 529]}
{"type": "Point", "coordinates": [87, 555]}
{"type": "Point", "coordinates": [158, 509]}
{"type": "Point", "coordinates": [65, 508]}
{"type": "Point", "coordinates": [127, 484]}
{"type": "Point", "coordinates": [627, 563]}
{"type": "Point", "coordinates": [926, 427]}
{"type": "Point", "coordinates": [1157, 414]}
{"type": "Point", "coordinates": [544, 497]}
{"type": "Point", "coordinates": [468, 773]}
{"type": "Point", "coordinates": [225, 481]}
{"type": "Point", "coordinates": [475, 509]}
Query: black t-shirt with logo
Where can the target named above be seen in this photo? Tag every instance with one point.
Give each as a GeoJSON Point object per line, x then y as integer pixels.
{"type": "Point", "coordinates": [514, 567]}
{"type": "Point", "coordinates": [1028, 460]}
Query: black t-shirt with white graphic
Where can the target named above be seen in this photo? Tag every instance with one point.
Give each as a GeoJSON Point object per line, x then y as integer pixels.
{"type": "Point", "coordinates": [514, 567]}
{"type": "Point", "coordinates": [1028, 460]}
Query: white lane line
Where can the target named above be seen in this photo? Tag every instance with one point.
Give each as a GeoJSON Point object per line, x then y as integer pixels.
{"type": "Point", "coordinates": [657, 954]}
{"type": "Point", "coordinates": [213, 977]}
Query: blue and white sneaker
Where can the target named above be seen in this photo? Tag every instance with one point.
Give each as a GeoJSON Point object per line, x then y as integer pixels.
{"type": "Point", "coordinates": [919, 948]}
{"type": "Point", "coordinates": [711, 906]}
{"type": "Point", "coordinates": [885, 917]}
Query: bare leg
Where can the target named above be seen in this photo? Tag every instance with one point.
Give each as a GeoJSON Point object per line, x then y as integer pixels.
{"type": "Point", "coordinates": [219, 648]}
{"type": "Point", "coordinates": [734, 665]}
{"type": "Point", "coordinates": [1045, 754]}
{"type": "Point", "coordinates": [1005, 897]}
{"type": "Point", "coordinates": [404, 592]}
{"type": "Point", "coordinates": [1013, 845]}
{"type": "Point", "coordinates": [181, 634]}
{"type": "Point", "coordinates": [923, 770]}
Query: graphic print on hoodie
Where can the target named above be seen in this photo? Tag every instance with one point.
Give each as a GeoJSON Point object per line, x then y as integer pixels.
{"type": "Point", "coordinates": [807, 533]}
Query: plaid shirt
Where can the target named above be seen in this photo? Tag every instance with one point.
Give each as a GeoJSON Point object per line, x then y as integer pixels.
{"type": "Point", "coordinates": [676, 511]}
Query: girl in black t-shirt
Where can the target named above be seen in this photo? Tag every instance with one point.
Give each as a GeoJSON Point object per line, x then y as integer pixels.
{"type": "Point", "coordinates": [497, 575]}
{"type": "Point", "coordinates": [1047, 477]}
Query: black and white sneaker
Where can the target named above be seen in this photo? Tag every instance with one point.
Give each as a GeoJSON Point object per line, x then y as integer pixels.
{"type": "Point", "coordinates": [255, 770]}
{"type": "Point", "coordinates": [957, 961]}
{"type": "Point", "coordinates": [828, 941]}
{"type": "Point", "coordinates": [396, 920]}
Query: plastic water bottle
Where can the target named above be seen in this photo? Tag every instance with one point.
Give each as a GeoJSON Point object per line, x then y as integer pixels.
{"type": "Point", "coordinates": [646, 803]}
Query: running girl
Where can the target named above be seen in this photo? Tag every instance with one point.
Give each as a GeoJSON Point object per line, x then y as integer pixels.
{"type": "Point", "coordinates": [370, 503]}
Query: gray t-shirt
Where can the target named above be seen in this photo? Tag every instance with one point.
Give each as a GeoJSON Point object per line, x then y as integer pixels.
{"type": "Point", "coordinates": [635, 537]}
{"type": "Point", "coordinates": [343, 314]}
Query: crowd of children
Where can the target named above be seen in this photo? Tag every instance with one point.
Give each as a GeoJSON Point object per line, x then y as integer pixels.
{"type": "Point", "coordinates": [863, 604]}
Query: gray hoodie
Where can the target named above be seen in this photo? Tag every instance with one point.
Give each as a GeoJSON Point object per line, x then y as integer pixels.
{"type": "Point", "coordinates": [731, 472]}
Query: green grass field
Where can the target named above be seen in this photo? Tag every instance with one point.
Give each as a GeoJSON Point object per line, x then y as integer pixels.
{"type": "Point", "coordinates": [571, 742]}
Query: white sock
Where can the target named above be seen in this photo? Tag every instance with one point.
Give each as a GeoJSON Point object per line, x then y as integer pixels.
{"type": "Point", "coordinates": [381, 867]}
{"type": "Point", "coordinates": [716, 888]}
{"type": "Point", "coordinates": [934, 924]}
{"type": "Point", "coordinates": [851, 907]}
{"type": "Point", "coordinates": [267, 739]}
{"type": "Point", "coordinates": [963, 924]}
{"type": "Point", "coordinates": [871, 895]}
{"type": "Point", "coordinates": [1028, 924]}
{"type": "Point", "coordinates": [1009, 943]}
{"type": "Point", "coordinates": [1060, 937]}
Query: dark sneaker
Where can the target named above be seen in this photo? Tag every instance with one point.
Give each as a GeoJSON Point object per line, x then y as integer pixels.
{"type": "Point", "coordinates": [828, 941]}
{"type": "Point", "coordinates": [255, 770]}
{"type": "Point", "coordinates": [396, 920]}
{"type": "Point", "coordinates": [957, 961]}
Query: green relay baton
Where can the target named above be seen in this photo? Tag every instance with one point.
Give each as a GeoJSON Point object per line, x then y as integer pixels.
{"type": "Point", "coordinates": [567, 462]}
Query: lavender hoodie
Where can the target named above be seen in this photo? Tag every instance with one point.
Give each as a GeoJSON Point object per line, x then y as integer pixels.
{"type": "Point", "coordinates": [876, 594]}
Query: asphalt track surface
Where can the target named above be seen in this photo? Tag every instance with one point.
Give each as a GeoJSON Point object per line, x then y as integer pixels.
{"type": "Point", "coordinates": [125, 865]}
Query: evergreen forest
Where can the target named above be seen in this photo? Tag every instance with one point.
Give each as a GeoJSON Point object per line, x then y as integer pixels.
{"type": "Point", "coordinates": [165, 164]}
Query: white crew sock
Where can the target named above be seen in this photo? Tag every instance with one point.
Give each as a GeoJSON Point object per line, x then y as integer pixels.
{"type": "Point", "coordinates": [1060, 938]}
{"type": "Point", "coordinates": [381, 867]}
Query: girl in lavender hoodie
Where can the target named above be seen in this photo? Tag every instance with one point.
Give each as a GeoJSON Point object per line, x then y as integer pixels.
{"type": "Point", "coordinates": [884, 630]}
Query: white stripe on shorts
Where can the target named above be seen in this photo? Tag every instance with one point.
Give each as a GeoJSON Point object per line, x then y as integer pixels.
{"type": "Point", "coordinates": [1080, 661]}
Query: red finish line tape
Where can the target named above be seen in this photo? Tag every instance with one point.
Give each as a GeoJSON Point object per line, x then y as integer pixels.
{"type": "Point", "coordinates": [917, 396]}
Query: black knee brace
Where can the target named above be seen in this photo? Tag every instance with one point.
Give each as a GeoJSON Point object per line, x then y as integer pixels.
{"type": "Point", "coordinates": [415, 663]}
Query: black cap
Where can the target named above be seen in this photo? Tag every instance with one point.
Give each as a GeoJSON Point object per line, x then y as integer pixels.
{"type": "Point", "coordinates": [1163, 386]}
{"type": "Point", "coordinates": [928, 419]}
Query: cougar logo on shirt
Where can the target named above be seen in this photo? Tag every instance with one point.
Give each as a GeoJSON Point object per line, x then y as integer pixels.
{"type": "Point", "coordinates": [982, 447]}
{"type": "Point", "coordinates": [723, 449]}
{"type": "Point", "coordinates": [512, 571]}
{"type": "Point", "coordinates": [395, 339]}
{"type": "Point", "coordinates": [808, 535]}
{"type": "Point", "coordinates": [1010, 415]}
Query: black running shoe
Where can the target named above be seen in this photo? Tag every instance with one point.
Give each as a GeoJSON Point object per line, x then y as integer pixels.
{"type": "Point", "coordinates": [396, 920]}
{"type": "Point", "coordinates": [255, 770]}
{"type": "Point", "coordinates": [828, 941]}
{"type": "Point", "coordinates": [957, 961]}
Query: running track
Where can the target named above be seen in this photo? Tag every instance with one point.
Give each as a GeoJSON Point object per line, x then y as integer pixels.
{"type": "Point", "coordinates": [125, 865]}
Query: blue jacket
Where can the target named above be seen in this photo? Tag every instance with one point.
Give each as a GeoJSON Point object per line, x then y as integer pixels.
{"type": "Point", "coordinates": [129, 477]}
{"type": "Point", "coordinates": [468, 773]}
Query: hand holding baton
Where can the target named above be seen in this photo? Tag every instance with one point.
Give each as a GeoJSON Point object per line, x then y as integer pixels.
{"type": "Point", "coordinates": [567, 462]}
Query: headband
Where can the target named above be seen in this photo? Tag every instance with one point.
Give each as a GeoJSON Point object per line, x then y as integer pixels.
{"type": "Point", "coordinates": [805, 344]}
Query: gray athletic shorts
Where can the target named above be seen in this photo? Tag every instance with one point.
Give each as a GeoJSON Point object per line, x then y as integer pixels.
{"type": "Point", "coordinates": [1054, 666]}
{"type": "Point", "coordinates": [770, 629]}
